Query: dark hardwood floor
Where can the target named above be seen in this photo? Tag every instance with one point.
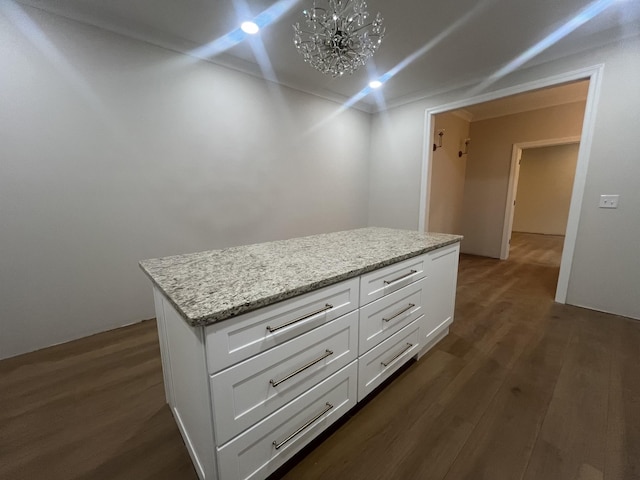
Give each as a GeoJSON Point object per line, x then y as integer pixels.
{"type": "Point", "coordinates": [522, 388]}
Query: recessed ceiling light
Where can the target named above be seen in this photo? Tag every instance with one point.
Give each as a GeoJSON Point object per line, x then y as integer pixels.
{"type": "Point", "coordinates": [249, 27]}
{"type": "Point", "coordinates": [375, 83]}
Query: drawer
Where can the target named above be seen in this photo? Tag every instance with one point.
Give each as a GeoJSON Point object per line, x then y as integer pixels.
{"type": "Point", "coordinates": [253, 455]}
{"type": "Point", "coordinates": [380, 362]}
{"type": "Point", "coordinates": [250, 391]}
{"type": "Point", "coordinates": [377, 284]}
{"type": "Point", "coordinates": [231, 341]}
{"type": "Point", "coordinates": [382, 318]}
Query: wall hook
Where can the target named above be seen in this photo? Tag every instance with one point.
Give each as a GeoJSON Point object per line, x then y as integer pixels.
{"type": "Point", "coordinates": [466, 147]}
{"type": "Point", "coordinates": [439, 145]}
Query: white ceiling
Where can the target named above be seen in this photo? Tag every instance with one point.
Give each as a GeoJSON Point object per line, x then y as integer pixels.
{"type": "Point", "coordinates": [458, 42]}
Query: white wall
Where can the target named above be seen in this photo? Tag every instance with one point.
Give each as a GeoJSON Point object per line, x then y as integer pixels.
{"type": "Point", "coordinates": [396, 160]}
{"type": "Point", "coordinates": [606, 264]}
{"type": "Point", "coordinates": [544, 189]}
{"type": "Point", "coordinates": [447, 175]}
{"type": "Point", "coordinates": [113, 151]}
{"type": "Point", "coordinates": [487, 174]}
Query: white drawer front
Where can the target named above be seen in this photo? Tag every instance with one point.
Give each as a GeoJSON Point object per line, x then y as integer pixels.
{"type": "Point", "coordinates": [249, 391]}
{"type": "Point", "coordinates": [382, 318]}
{"type": "Point", "coordinates": [231, 341]}
{"type": "Point", "coordinates": [377, 284]}
{"type": "Point", "coordinates": [253, 454]}
{"type": "Point", "coordinates": [380, 362]}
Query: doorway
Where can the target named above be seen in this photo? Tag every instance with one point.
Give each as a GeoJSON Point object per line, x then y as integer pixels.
{"type": "Point", "coordinates": [592, 75]}
{"type": "Point", "coordinates": [544, 204]}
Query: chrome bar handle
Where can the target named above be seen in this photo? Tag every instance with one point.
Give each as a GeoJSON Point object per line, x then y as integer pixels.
{"type": "Point", "coordinates": [411, 305]}
{"type": "Point", "coordinates": [389, 282]}
{"type": "Point", "coordinates": [275, 383]}
{"type": "Point", "coordinates": [389, 362]}
{"type": "Point", "coordinates": [323, 309]}
{"type": "Point", "coordinates": [279, 445]}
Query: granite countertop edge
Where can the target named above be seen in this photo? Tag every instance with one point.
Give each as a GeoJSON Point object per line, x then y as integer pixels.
{"type": "Point", "coordinates": [227, 313]}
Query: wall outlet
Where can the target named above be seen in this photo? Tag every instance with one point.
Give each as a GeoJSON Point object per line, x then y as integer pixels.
{"type": "Point", "coordinates": [609, 201]}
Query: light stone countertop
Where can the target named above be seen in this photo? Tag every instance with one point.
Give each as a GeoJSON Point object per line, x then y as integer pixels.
{"type": "Point", "coordinates": [208, 287]}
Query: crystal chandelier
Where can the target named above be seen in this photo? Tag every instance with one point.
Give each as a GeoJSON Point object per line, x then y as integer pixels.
{"type": "Point", "coordinates": [339, 39]}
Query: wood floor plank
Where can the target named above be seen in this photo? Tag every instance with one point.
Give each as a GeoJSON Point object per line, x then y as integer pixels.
{"type": "Point", "coordinates": [500, 446]}
{"type": "Point", "coordinates": [436, 439]}
{"type": "Point", "coordinates": [572, 439]}
{"type": "Point", "coordinates": [623, 428]}
{"type": "Point", "coordinates": [92, 408]}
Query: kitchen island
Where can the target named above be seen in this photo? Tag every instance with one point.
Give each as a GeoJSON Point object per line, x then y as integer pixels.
{"type": "Point", "coordinates": [264, 346]}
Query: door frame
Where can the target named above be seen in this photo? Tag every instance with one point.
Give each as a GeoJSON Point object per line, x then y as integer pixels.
{"type": "Point", "coordinates": [594, 75]}
{"type": "Point", "coordinates": [514, 176]}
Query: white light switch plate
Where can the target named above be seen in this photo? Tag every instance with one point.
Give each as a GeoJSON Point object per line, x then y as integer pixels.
{"type": "Point", "coordinates": [609, 201]}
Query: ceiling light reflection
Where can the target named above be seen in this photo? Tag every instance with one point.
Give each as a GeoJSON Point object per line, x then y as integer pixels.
{"type": "Point", "coordinates": [250, 27]}
{"type": "Point", "coordinates": [231, 39]}
{"type": "Point", "coordinates": [583, 16]}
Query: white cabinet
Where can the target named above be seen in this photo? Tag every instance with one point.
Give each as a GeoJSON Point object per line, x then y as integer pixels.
{"type": "Point", "coordinates": [382, 318]}
{"type": "Point", "coordinates": [246, 393]}
{"type": "Point", "coordinates": [261, 450]}
{"type": "Point", "coordinates": [441, 294]}
{"type": "Point", "coordinates": [381, 282]}
{"type": "Point", "coordinates": [241, 337]}
{"type": "Point", "coordinates": [249, 392]}
{"type": "Point", "coordinates": [375, 366]}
